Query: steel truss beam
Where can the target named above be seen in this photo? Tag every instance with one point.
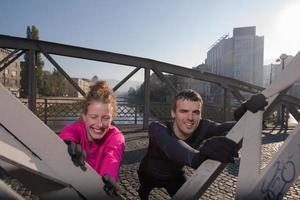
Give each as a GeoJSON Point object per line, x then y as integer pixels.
{"type": "Point", "coordinates": [252, 180]}
{"type": "Point", "coordinates": [38, 149]}
{"type": "Point", "coordinates": [122, 59]}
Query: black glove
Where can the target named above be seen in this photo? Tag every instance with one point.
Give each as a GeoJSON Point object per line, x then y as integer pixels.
{"type": "Point", "coordinates": [256, 102]}
{"type": "Point", "coordinates": [218, 148]}
{"type": "Point", "coordinates": [77, 154]}
{"type": "Point", "coordinates": [111, 187]}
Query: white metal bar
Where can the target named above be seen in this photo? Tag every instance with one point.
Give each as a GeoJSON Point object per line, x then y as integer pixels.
{"type": "Point", "coordinates": [251, 151]}
{"type": "Point", "coordinates": [206, 173]}
{"type": "Point", "coordinates": [7, 193]}
{"type": "Point", "coordinates": [249, 171]}
{"type": "Point", "coordinates": [281, 172]}
{"type": "Point", "coordinates": [48, 146]}
{"type": "Point", "coordinates": [14, 153]}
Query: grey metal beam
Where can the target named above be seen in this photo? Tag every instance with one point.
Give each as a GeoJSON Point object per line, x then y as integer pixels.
{"type": "Point", "coordinates": [290, 99]}
{"type": "Point", "coordinates": [8, 193]}
{"type": "Point", "coordinates": [164, 79]}
{"type": "Point", "coordinates": [272, 107]}
{"type": "Point", "coordinates": [294, 111]}
{"type": "Point", "coordinates": [126, 78]}
{"type": "Point", "coordinates": [236, 93]}
{"type": "Point", "coordinates": [32, 82]}
{"type": "Point", "coordinates": [11, 54]}
{"type": "Point", "coordinates": [146, 98]}
{"type": "Point", "coordinates": [11, 61]}
{"type": "Point", "coordinates": [227, 106]}
{"type": "Point", "coordinates": [88, 183]}
{"type": "Point", "coordinates": [122, 59]}
{"type": "Point", "coordinates": [193, 188]}
{"type": "Point", "coordinates": [56, 65]}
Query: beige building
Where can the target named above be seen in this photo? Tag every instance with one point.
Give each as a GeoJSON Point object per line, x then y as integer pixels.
{"type": "Point", "coordinates": [10, 76]}
{"type": "Point", "coordinates": [84, 84]}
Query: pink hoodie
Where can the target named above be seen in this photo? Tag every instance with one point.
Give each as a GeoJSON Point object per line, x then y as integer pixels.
{"type": "Point", "coordinates": [104, 155]}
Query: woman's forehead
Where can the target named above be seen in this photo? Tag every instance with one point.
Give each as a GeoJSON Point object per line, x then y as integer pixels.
{"type": "Point", "coordinates": [98, 107]}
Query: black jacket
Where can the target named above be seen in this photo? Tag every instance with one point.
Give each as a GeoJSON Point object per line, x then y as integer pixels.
{"type": "Point", "coordinates": [167, 154]}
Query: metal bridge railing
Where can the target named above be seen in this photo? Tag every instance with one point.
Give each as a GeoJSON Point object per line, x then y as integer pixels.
{"type": "Point", "coordinates": [56, 112]}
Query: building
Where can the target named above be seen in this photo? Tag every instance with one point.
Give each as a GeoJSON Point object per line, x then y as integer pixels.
{"type": "Point", "coordinates": [283, 61]}
{"type": "Point", "coordinates": [84, 84]}
{"type": "Point", "coordinates": [268, 73]}
{"type": "Point", "coordinates": [10, 76]}
{"type": "Point", "coordinates": [239, 57]}
{"type": "Point", "coordinates": [202, 87]}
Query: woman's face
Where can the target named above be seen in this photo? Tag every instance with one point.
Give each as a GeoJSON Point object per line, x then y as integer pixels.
{"type": "Point", "coordinates": [98, 120]}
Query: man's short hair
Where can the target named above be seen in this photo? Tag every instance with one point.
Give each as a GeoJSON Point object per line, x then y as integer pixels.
{"type": "Point", "coordinates": [189, 94]}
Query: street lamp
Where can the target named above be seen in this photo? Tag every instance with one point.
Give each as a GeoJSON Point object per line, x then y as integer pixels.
{"type": "Point", "coordinates": [271, 73]}
{"type": "Point", "coordinates": [281, 60]}
{"type": "Point", "coordinates": [284, 114]}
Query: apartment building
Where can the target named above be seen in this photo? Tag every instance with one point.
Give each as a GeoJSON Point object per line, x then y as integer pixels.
{"type": "Point", "coordinates": [239, 57]}
{"type": "Point", "coordinates": [84, 84]}
{"type": "Point", "coordinates": [10, 76]}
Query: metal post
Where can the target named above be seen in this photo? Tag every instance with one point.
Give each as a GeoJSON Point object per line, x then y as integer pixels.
{"type": "Point", "coordinates": [135, 113]}
{"type": "Point", "coordinates": [271, 73]}
{"type": "Point", "coordinates": [32, 81]}
{"type": "Point", "coordinates": [46, 111]}
{"type": "Point", "coordinates": [283, 110]}
{"type": "Point", "coordinates": [227, 106]}
{"type": "Point", "coordinates": [146, 98]}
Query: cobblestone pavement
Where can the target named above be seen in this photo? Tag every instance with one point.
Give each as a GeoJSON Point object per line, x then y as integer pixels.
{"type": "Point", "coordinates": [222, 188]}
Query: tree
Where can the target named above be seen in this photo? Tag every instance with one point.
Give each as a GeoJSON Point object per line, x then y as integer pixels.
{"type": "Point", "coordinates": [32, 33]}
{"type": "Point", "coordinates": [159, 91]}
{"type": "Point", "coordinates": [55, 84]}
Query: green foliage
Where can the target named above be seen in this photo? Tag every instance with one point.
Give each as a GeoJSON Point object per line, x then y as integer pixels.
{"type": "Point", "coordinates": [48, 84]}
{"type": "Point", "coordinates": [55, 84]}
{"type": "Point", "coordinates": [24, 80]}
{"type": "Point", "coordinates": [32, 33]}
{"type": "Point", "coordinates": [159, 91]}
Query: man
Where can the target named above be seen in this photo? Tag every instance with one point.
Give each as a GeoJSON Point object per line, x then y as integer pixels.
{"type": "Point", "coordinates": [189, 140]}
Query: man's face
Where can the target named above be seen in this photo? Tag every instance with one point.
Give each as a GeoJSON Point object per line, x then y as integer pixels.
{"type": "Point", "coordinates": [187, 115]}
{"type": "Point", "coordinates": [97, 120]}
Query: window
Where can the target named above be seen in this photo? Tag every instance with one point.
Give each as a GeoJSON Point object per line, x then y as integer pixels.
{"type": "Point", "coordinates": [13, 73]}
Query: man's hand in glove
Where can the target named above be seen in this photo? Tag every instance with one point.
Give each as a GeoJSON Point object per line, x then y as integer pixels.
{"type": "Point", "coordinates": [111, 187]}
{"type": "Point", "coordinates": [77, 154]}
{"type": "Point", "coordinates": [218, 148]}
{"type": "Point", "coordinates": [256, 102]}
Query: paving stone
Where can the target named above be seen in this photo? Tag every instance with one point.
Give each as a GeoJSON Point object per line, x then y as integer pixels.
{"type": "Point", "coordinates": [222, 188]}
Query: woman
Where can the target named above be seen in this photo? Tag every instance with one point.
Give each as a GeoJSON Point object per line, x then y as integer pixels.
{"type": "Point", "coordinates": [94, 139]}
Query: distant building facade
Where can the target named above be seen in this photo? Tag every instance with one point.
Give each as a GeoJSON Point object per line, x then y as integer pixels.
{"type": "Point", "coordinates": [84, 84]}
{"type": "Point", "coordinates": [202, 87]}
{"type": "Point", "coordinates": [240, 57]}
{"type": "Point", "coordinates": [277, 69]}
{"type": "Point", "coordinates": [10, 76]}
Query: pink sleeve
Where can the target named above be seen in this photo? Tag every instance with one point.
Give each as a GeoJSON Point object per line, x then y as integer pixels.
{"type": "Point", "coordinates": [71, 132]}
{"type": "Point", "coordinates": [114, 150]}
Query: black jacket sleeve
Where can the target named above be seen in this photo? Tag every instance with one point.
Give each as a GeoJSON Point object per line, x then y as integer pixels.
{"type": "Point", "coordinates": [221, 129]}
{"type": "Point", "coordinates": [239, 112]}
{"type": "Point", "coordinates": [174, 148]}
